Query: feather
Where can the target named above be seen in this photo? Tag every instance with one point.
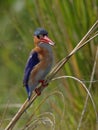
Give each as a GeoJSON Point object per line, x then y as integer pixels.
{"type": "Point", "coordinates": [32, 61]}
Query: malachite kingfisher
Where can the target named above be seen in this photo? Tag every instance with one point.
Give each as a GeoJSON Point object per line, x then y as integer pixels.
{"type": "Point", "coordinates": [39, 62]}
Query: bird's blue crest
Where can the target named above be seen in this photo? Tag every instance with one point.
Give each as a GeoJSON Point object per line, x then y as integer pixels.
{"type": "Point", "coordinates": [40, 31]}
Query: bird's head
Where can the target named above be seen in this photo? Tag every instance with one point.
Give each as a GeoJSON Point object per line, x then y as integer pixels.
{"type": "Point", "coordinates": [41, 35]}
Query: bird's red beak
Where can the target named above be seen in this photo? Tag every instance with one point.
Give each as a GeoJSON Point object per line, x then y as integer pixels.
{"type": "Point", "coordinates": [47, 40]}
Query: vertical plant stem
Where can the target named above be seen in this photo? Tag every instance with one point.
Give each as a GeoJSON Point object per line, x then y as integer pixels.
{"type": "Point", "coordinates": [90, 85]}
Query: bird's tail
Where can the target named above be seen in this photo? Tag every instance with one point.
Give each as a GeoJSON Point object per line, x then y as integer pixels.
{"type": "Point", "coordinates": [28, 92]}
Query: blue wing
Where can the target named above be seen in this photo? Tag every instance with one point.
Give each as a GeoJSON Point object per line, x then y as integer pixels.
{"type": "Point", "coordinates": [32, 61]}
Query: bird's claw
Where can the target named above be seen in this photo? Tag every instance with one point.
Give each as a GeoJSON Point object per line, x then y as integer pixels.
{"type": "Point", "coordinates": [43, 83]}
{"type": "Point", "coordinates": [38, 92]}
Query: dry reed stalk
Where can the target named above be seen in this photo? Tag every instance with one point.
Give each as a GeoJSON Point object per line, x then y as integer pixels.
{"type": "Point", "coordinates": [29, 121]}
{"type": "Point", "coordinates": [87, 97]}
{"type": "Point", "coordinates": [23, 108]}
{"type": "Point", "coordinates": [82, 43]}
{"type": "Point", "coordinates": [84, 87]}
{"type": "Point", "coordinates": [51, 75]}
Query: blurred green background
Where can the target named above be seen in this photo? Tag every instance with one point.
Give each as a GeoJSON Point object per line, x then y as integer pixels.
{"type": "Point", "coordinates": [67, 21]}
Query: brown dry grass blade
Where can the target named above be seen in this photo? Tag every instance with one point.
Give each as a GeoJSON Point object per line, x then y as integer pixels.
{"type": "Point", "coordinates": [82, 43]}
{"type": "Point", "coordinates": [23, 108]}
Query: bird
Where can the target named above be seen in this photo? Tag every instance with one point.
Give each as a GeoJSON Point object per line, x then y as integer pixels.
{"type": "Point", "coordinates": [39, 63]}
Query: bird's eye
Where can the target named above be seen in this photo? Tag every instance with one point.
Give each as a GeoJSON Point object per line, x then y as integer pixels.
{"type": "Point", "coordinates": [38, 36]}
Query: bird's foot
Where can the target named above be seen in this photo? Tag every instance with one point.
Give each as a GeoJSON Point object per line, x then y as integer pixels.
{"type": "Point", "coordinates": [38, 92]}
{"type": "Point", "coordinates": [43, 83]}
